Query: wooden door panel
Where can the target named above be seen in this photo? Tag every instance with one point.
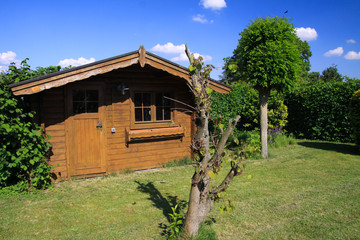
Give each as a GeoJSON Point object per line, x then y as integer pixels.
{"type": "Point", "coordinates": [85, 139]}
{"type": "Point", "coordinates": [86, 144]}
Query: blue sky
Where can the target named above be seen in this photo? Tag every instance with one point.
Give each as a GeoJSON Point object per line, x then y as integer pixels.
{"type": "Point", "coordinates": [77, 32]}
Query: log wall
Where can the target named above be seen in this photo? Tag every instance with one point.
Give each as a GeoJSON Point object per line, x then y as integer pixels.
{"type": "Point", "coordinates": [120, 154]}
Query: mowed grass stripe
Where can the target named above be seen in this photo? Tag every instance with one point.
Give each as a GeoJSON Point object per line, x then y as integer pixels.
{"type": "Point", "coordinates": [310, 190]}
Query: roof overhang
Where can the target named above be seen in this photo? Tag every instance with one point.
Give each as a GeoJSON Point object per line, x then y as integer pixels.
{"type": "Point", "coordinates": [141, 57]}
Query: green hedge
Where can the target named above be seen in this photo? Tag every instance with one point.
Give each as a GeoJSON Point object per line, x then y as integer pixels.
{"type": "Point", "coordinates": [244, 100]}
{"type": "Point", "coordinates": [241, 100]}
{"type": "Point", "coordinates": [355, 115]}
{"type": "Point", "coordinates": [321, 111]}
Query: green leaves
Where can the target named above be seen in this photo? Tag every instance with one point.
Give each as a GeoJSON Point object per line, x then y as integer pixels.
{"type": "Point", "coordinates": [24, 149]}
{"type": "Point", "coordinates": [233, 68]}
{"type": "Point", "coordinates": [354, 108]}
{"type": "Point", "coordinates": [267, 54]}
{"type": "Point", "coordinates": [192, 68]}
{"type": "Point", "coordinates": [176, 222]}
{"type": "Point", "coordinates": [212, 175]}
{"type": "Point", "coordinates": [209, 90]}
{"type": "Point", "coordinates": [321, 111]}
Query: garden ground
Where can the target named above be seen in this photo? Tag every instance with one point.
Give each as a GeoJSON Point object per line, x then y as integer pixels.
{"type": "Point", "coordinates": [310, 190]}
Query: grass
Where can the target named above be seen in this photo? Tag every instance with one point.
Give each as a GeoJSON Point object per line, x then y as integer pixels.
{"type": "Point", "coordinates": [310, 190]}
{"type": "Point", "coordinates": [176, 163]}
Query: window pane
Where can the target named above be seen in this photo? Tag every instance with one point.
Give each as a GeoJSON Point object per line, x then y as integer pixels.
{"type": "Point", "coordinates": [92, 107]}
{"type": "Point", "coordinates": [92, 95]}
{"type": "Point", "coordinates": [138, 114]}
{"type": "Point", "coordinates": [146, 99]}
{"type": "Point", "coordinates": [147, 114]}
{"type": "Point", "coordinates": [138, 99]}
{"type": "Point", "coordinates": [78, 95]}
{"type": "Point", "coordinates": [159, 113]}
{"type": "Point", "coordinates": [167, 102]}
{"type": "Point", "coordinates": [167, 113]}
{"type": "Point", "coordinates": [159, 99]}
{"type": "Point", "coordinates": [78, 107]}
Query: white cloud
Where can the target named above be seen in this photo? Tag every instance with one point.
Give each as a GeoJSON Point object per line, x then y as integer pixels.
{"type": "Point", "coordinates": [169, 48]}
{"type": "Point", "coordinates": [335, 52]}
{"type": "Point", "coordinates": [213, 4]}
{"type": "Point", "coordinates": [75, 62]}
{"type": "Point", "coordinates": [307, 34]}
{"type": "Point", "coordinates": [183, 58]}
{"type": "Point", "coordinates": [179, 50]}
{"type": "Point", "coordinates": [3, 68]}
{"type": "Point", "coordinates": [200, 18]}
{"type": "Point", "coordinates": [351, 41]}
{"type": "Point", "coordinates": [352, 55]}
{"type": "Point", "coordinates": [7, 57]}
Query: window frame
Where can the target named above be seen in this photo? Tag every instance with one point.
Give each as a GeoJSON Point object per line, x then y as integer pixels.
{"type": "Point", "coordinates": [88, 86]}
{"type": "Point", "coordinates": [153, 123]}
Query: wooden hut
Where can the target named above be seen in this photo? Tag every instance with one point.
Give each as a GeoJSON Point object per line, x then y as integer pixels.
{"type": "Point", "coordinates": [114, 114]}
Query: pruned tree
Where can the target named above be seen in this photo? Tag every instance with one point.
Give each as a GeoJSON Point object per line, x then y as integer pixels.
{"type": "Point", "coordinates": [210, 150]}
{"type": "Point", "coordinates": [268, 57]}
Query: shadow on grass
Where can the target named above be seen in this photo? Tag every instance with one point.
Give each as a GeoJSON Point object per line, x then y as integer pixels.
{"type": "Point", "coordinates": [159, 201]}
{"type": "Point", "coordinates": [165, 204]}
{"type": "Point", "coordinates": [336, 147]}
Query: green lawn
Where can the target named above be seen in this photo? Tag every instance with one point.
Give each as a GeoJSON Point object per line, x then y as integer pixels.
{"type": "Point", "coordinates": [306, 191]}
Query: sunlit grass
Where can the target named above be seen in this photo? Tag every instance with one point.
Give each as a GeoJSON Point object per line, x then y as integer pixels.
{"type": "Point", "coordinates": [310, 190]}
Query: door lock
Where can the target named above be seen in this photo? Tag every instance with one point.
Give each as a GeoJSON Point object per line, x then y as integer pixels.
{"type": "Point", "coordinates": [99, 125]}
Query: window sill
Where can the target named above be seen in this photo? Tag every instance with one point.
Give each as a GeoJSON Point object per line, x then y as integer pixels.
{"type": "Point", "coordinates": [152, 125]}
{"type": "Point", "coordinates": [153, 134]}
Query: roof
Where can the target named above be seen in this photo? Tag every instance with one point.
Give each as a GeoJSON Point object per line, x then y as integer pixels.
{"type": "Point", "coordinates": [57, 79]}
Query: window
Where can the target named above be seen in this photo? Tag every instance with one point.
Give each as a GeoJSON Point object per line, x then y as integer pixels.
{"type": "Point", "coordinates": [142, 102]}
{"type": "Point", "coordinates": [151, 107]}
{"type": "Point", "coordinates": [163, 110]}
{"type": "Point", "coordinates": [85, 101]}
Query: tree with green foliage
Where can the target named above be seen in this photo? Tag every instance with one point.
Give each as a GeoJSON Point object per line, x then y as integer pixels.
{"type": "Point", "coordinates": [24, 150]}
{"type": "Point", "coordinates": [267, 57]}
{"type": "Point", "coordinates": [331, 74]}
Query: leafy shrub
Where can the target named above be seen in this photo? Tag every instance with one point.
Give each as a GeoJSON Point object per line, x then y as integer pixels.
{"type": "Point", "coordinates": [241, 100]}
{"type": "Point", "coordinates": [355, 115]}
{"type": "Point", "coordinates": [176, 223]}
{"type": "Point", "coordinates": [24, 151]}
{"type": "Point", "coordinates": [278, 138]}
{"type": "Point", "coordinates": [244, 100]}
{"type": "Point", "coordinates": [278, 111]}
{"type": "Point", "coordinates": [321, 111]}
{"type": "Point", "coordinates": [251, 143]}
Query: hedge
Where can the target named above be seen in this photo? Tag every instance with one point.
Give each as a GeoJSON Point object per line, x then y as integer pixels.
{"type": "Point", "coordinates": [321, 112]}
{"type": "Point", "coordinates": [355, 115]}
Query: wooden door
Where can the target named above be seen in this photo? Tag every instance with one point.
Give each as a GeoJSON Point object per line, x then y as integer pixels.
{"type": "Point", "coordinates": [85, 130]}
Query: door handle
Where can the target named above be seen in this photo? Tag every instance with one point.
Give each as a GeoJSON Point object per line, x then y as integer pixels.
{"type": "Point", "coordinates": [99, 125]}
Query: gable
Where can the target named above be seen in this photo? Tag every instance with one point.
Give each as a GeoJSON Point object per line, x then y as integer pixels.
{"type": "Point", "coordinates": [140, 57]}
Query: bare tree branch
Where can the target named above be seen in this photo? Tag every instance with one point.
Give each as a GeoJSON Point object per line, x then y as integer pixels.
{"type": "Point", "coordinates": [172, 99]}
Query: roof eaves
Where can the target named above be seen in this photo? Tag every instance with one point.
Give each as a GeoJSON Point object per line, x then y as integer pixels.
{"type": "Point", "coordinates": [69, 70]}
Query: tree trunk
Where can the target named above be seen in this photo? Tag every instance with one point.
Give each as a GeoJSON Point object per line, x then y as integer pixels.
{"type": "Point", "coordinates": [199, 205]}
{"type": "Point", "coordinates": [201, 199]}
{"type": "Point", "coordinates": [264, 96]}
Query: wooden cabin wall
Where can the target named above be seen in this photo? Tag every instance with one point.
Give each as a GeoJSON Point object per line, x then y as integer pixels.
{"type": "Point", "coordinates": [150, 153]}
{"type": "Point", "coordinates": [52, 118]}
{"type": "Point", "coordinates": [118, 154]}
